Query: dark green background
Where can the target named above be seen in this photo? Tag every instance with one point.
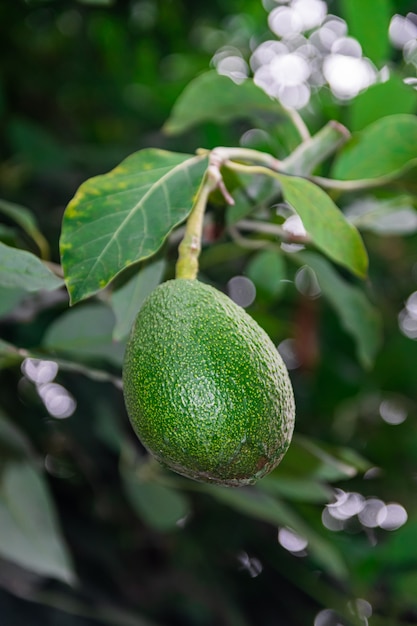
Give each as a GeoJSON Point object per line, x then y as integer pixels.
{"type": "Point", "coordinates": [82, 87]}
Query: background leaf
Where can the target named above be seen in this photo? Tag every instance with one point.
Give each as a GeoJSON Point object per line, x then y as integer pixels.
{"type": "Point", "coordinates": [10, 297]}
{"type": "Point", "coordinates": [252, 502]}
{"type": "Point", "coordinates": [21, 269]}
{"type": "Point", "coordinates": [128, 299]}
{"type": "Point", "coordinates": [122, 217]}
{"type": "Point", "coordinates": [297, 489]}
{"type": "Point", "coordinates": [368, 22]}
{"type": "Point", "coordinates": [312, 459]}
{"type": "Point", "coordinates": [158, 506]}
{"type": "Point", "coordinates": [393, 216]}
{"type": "Point", "coordinates": [26, 220]}
{"type": "Point", "coordinates": [85, 332]}
{"type": "Point", "coordinates": [382, 149]}
{"type": "Point", "coordinates": [30, 534]}
{"type": "Point", "coordinates": [325, 223]}
{"type": "Point", "coordinates": [12, 441]}
{"type": "Point", "coordinates": [381, 100]}
{"type": "Point", "coordinates": [357, 315]}
{"type": "Point", "coordinates": [266, 269]}
{"type": "Point", "coordinates": [213, 97]}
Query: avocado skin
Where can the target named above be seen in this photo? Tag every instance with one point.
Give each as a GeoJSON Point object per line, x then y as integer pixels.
{"type": "Point", "coordinates": [206, 390]}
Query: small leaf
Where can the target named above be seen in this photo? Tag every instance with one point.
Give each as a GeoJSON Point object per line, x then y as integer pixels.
{"type": "Point", "coordinates": [124, 216]}
{"type": "Point", "coordinates": [9, 235]}
{"type": "Point", "coordinates": [212, 97]}
{"type": "Point", "coordinates": [21, 269]}
{"type": "Point", "coordinates": [395, 216]}
{"type": "Point", "coordinates": [307, 458]}
{"type": "Point", "coordinates": [325, 223]}
{"type": "Point", "coordinates": [368, 22]}
{"type": "Point", "coordinates": [11, 355]}
{"type": "Point", "coordinates": [30, 535]}
{"type": "Point", "coordinates": [380, 100]}
{"type": "Point", "coordinates": [383, 149]}
{"type": "Point", "coordinates": [7, 349]}
{"type": "Point", "coordinates": [128, 299]}
{"type": "Point", "coordinates": [267, 271]}
{"type": "Point", "coordinates": [298, 489]}
{"type": "Point", "coordinates": [357, 315]}
{"type": "Point", "coordinates": [159, 506]}
{"type": "Point", "coordinates": [26, 220]}
{"type": "Point", "coordinates": [85, 332]}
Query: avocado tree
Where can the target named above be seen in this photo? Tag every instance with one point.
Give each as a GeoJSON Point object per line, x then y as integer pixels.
{"type": "Point", "coordinates": [295, 196]}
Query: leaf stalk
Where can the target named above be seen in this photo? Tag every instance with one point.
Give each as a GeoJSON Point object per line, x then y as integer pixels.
{"type": "Point", "coordinates": [190, 246]}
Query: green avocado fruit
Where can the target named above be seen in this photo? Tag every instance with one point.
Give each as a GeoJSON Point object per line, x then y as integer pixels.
{"type": "Point", "coordinates": [205, 388]}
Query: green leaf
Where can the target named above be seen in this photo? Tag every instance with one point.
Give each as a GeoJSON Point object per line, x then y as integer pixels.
{"type": "Point", "coordinates": [325, 223]}
{"type": "Point", "coordinates": [381, 100]}
{"type": "Point", "coordinates": [220, 254]}
{"type": "Point", "coordinates": [26, 220]}
{"type": "Point", "coordinates": [159, 506]}
{"type": "Point", "coordinates": [311, 459]}
{"type": "Point", "coordinates": [10, 297]}
{"type": "Point", "coordinates": [356, 313]}
{"type": "Point", "coordinates": [30, 535]}
{"type": "Point", "coordinates": [216, 98]}
{"type": "Point", "coordinates": [395, 216]}
{"type": "Point", "coordinates": [368, 21]}
{"type": "Point", "coordinates": [251, 501]}
{"type": "Point", "coordinates": [397, 553]}
{"type": "Point", "coordinates": [128, 299]}
{"type": "Point", "coordinates": [8, 349]}
{"type": "Point", "coordinates": [21, 269]}
{"type": "Point", "coordinates": [11, 355]}
{"type": "Point", "coordinates": [405, 585]}
{"type": "Point", "coordinates": [267, 271]}
{"type": "Point", "coordinates": [383, 149]}
{"type": "Point", "coordinates": [9, 235]}
{"type": "Point", "coordinates": [85, 332]}
{"type": "Point", "coordinates": [124, 216]}
{"type": "Point", "coordinates": [298, 489]}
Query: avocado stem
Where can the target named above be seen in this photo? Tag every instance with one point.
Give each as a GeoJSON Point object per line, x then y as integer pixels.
{"type": "Point", "coordinates": [190, 246]}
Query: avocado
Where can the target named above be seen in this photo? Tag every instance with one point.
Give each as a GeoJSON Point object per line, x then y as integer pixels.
{"type": "Point", "coordinates": [206, 390]}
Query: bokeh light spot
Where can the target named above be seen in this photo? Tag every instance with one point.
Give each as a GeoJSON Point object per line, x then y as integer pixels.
{"type": "Point", "coordinates": [241, 290]}
{"type": "Point", "coordinates": [39, 371]}
{"type": "Point", "coordinates": [291, 541]}
{"type": "Point", "coordinates": [287, 350]}
{"type": "Point", "coordinates": [392, 516]}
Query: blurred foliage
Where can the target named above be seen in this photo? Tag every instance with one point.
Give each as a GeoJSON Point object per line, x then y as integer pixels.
{"type": "Point", "coordinates": [91, 530]}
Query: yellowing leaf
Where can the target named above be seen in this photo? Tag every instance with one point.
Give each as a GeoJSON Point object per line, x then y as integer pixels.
{"type": "Point", "coordinates": [124, 216]}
